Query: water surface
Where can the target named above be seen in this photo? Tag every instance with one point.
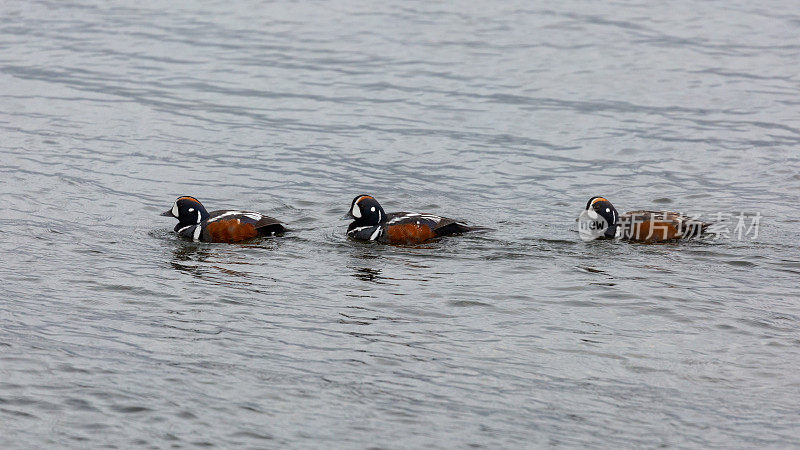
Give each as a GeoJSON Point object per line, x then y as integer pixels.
{"type": "Point", "coordinates": [116, 333]}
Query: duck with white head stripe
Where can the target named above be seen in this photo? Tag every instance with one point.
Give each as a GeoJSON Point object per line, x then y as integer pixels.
{"type": "Point", "coordinates": [372, 223]}
{"type": "Point", "coordinates": [197, 224]}
{"type": "Point", "coordinates": [600, 220]}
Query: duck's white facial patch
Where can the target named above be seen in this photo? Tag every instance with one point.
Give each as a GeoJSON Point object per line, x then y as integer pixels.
{"type": "Point", "coordinates": [191, 209]}
{"type": "Point", "coordinates": [372, 209]}
{"type": "Point", "coordinates": [356, 211]}
{"type": "Point", "coordinates": [608, 209]}
{"type": "Point", "coordinates": [592, 214]}
{"type": "Point", "coordinates": [175, 210]}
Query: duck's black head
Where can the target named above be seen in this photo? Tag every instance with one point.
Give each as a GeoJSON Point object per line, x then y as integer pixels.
{"type": "Point", "coordinates": [598, 207]}
{"type": "Point", "coordinates": [188, 211]}
{"type": "Point", "coordinates": [365, 210]}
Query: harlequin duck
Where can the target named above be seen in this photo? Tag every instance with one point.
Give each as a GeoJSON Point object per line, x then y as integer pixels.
{"type": "Point", "coordinates": [371, 223]}
{"type": "Point", "coordinates": [600, 220]}
{"type": "Point", "coordinates": [195, 223]}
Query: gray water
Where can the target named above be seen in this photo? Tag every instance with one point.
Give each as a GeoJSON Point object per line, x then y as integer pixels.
{"type": "Point", "coordinates": [115, 333]}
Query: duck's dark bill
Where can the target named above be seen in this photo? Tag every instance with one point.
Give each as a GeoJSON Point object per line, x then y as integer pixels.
{"type": "Point", "coordinates": [167, 213]}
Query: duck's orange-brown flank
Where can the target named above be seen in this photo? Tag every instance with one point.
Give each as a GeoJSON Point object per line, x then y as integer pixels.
{"type": "Point", "coordinates": [651, 231]}
{"type": "Point", "coordinates": [409, 233]}
{"type": "Point", "coordinates": [231, 230]}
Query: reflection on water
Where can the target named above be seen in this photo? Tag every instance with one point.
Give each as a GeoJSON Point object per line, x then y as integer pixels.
{"type": "Point", "coordinates": [221, 263]}
{"type": "Point", "coordinates": [368, 274]}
